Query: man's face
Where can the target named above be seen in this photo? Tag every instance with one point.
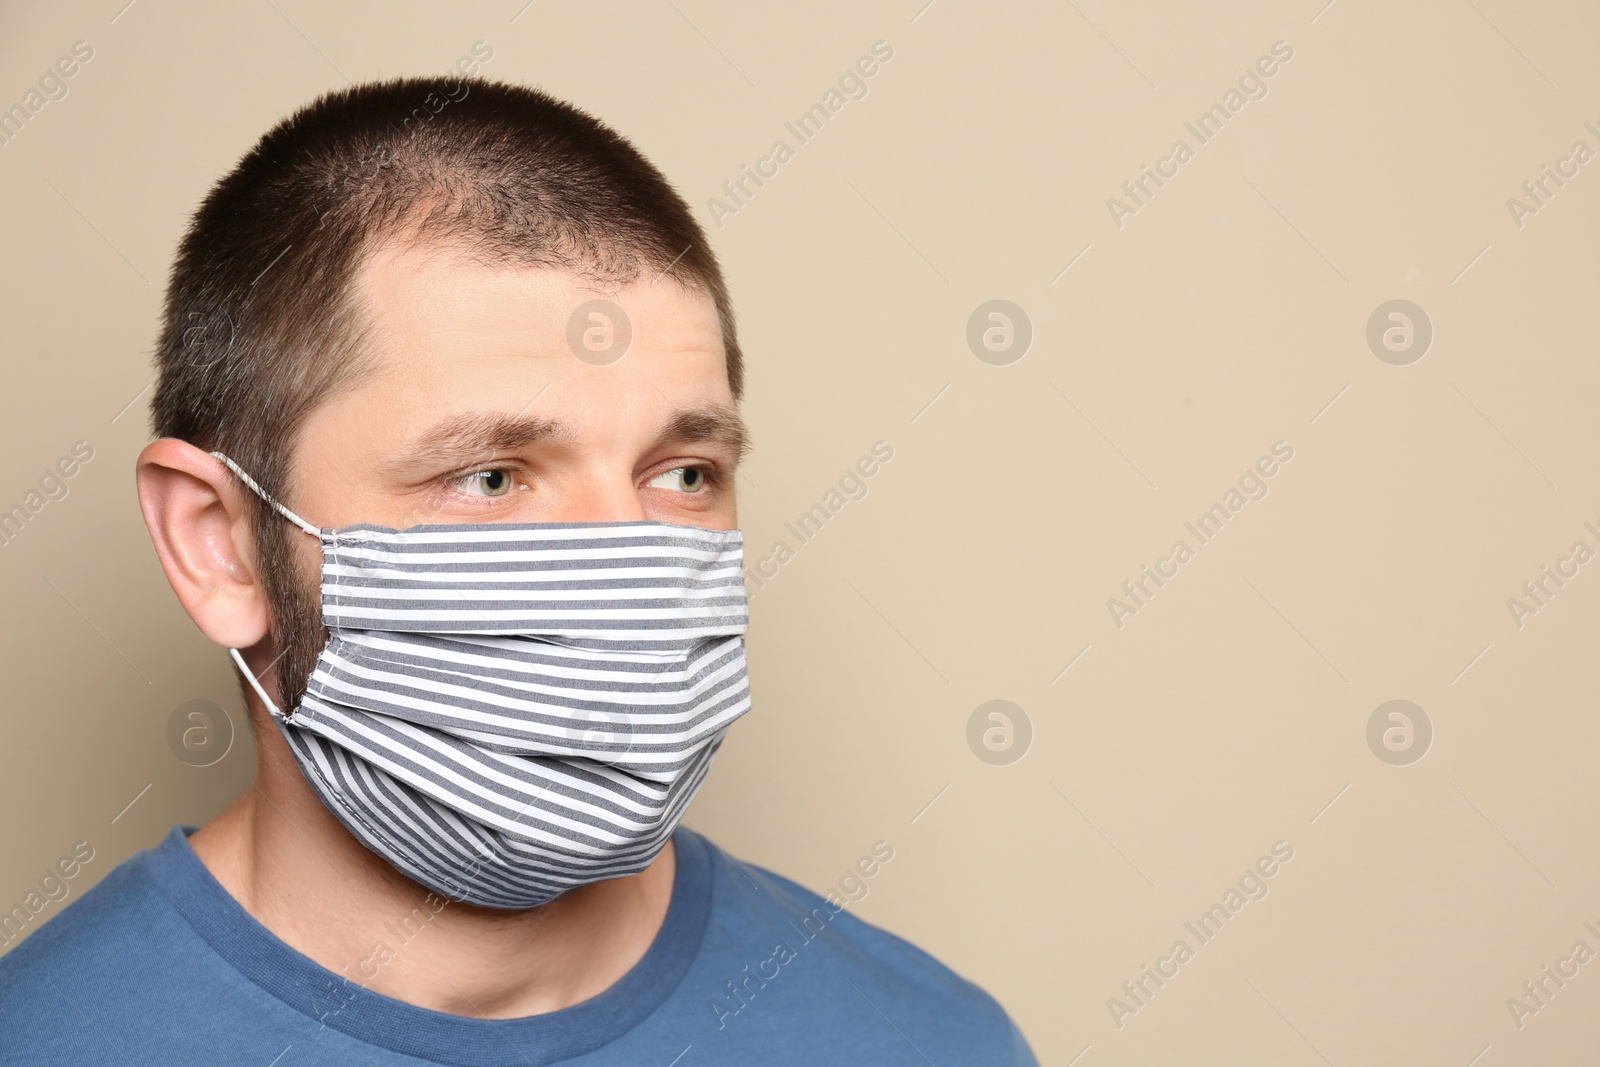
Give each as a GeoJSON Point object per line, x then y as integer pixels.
{"type": "Point", "coordinates": [479, 410]}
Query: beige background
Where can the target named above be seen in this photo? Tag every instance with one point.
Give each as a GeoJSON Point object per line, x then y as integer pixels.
{"type": "Point", "coordinates": [1227, 314]}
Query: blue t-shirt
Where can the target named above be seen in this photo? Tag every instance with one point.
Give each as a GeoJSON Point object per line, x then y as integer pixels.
{"type": "Point", "coordinates": [158, 964]}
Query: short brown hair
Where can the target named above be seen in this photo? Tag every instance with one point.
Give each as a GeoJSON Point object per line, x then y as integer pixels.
{"type": "Point", "coordinates": [261, 322]}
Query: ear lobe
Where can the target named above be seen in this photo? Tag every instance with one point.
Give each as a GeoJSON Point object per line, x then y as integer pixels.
{"type": "Point", "coordinates": [200, 526]}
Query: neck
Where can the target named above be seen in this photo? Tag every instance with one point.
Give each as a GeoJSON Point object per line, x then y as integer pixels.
{"type": "Point", "coordinates": [293, 866]}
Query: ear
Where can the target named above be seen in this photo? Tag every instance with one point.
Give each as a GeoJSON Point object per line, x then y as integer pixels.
{"type": "Point", "coordinates": [200, 525]}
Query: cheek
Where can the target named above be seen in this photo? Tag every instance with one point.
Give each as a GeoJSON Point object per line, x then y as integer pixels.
{"type": "Point", "coordinates": [712, 509]}
{"type": "Point", "coordinates": [304, 576]}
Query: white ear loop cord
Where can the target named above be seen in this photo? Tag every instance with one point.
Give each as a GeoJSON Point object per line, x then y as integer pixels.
{"type": "Point", "coordinates": [251, 678]}
{"type": "Point", "coordinates": [262, 493]}
{"type": "Point", "coordinates": [298, 521]}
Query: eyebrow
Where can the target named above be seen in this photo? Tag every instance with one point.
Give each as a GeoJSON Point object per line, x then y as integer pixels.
{"type": "Point", "coordinates": [460, 440]}
{"type": "Point", "coordinates": [719, 424]}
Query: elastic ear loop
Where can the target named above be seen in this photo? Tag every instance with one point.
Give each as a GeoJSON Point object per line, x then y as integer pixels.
{"type": "Point", "coordinates": [298, 521]}
{"type": "Point", "coordinates": [260, 692]}
{"type": "Point", "coordinates": [262, 493]}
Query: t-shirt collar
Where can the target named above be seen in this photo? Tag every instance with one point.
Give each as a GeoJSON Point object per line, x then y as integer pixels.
{"type": "Point", "coordinates": [336, 1001]}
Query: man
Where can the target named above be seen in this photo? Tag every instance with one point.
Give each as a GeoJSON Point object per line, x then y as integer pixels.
{"type": "Point", "coordinates": [448, 427]}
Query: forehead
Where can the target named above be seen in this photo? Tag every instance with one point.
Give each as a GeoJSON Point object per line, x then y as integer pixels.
{"type": "Point", "coordinates": [451, 345]}
{"type": "Point", "coordinates": [436, 297]}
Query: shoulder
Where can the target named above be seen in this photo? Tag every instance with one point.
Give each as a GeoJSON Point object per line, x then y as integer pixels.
{"type": "Point", "coordinates": [93, 953]}
{"type": "Point", "coordinates": [782, 926]}
{"type": "Point", "coordinates": [101, 917]}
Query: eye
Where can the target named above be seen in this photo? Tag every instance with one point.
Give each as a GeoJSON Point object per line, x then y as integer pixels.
{"type": "Point", "coordinates": [495, 481]}
{"type": "Point", "coordinates": [682, 480]}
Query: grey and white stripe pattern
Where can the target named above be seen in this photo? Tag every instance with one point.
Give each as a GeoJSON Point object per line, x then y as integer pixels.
{"type": "Point", "coordinates": [505, 712]}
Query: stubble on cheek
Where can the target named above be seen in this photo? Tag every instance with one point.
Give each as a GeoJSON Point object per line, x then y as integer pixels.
{"type": "Point", "coordinates": [294, 595]}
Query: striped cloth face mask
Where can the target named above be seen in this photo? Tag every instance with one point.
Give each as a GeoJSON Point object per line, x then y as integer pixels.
{"type": "Point", "coordinates": [505, 712]}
